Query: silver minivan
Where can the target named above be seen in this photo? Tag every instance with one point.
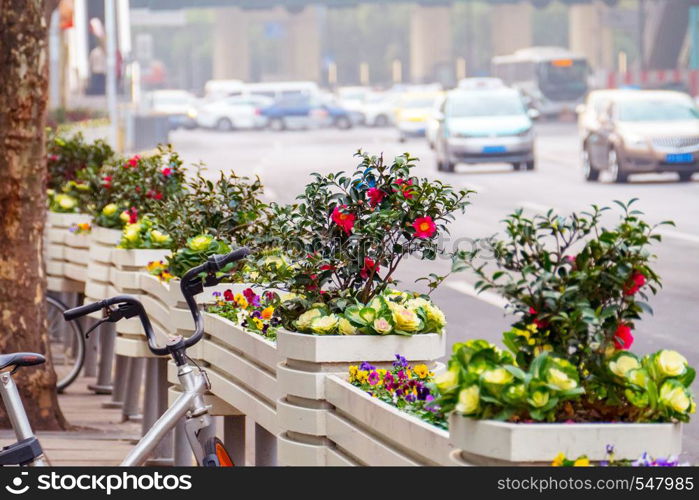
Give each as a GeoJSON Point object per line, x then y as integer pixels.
{"type": "Point", "coordinates": [485, 126]}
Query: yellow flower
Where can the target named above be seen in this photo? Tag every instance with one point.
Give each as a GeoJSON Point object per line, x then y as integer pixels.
{"type": "Point", "coordinates": [623, 364]}
{"type": "Point", "coordinates": [153, 265]}
{"type": "Point", "coordinates": [82, 187]}
{"type": "Point", "coordinates": [436, 315]}
{"type": "Point", "coordinates": [66, 202]}
{"type": "Point", "coordinates": [362, 376]}
{"type": "Point", "coordinates": [637, 377]}
{"type": "Point", "coordinates": [675, 396]}
{"type": "Point", "coordinates": [345, 327]}
{"type": "Point", "coordinates": [303, 323]}
{"type": "Point", "coordinates": [258, 323]}
{"type": "Point", "coordinates": [166, 276]}
{"type": "Point", "coordinates": [469, 400]}
{"type": "Point", "coordinates": [447, 380]}
{"type": "Point", "coordinates": [406, 319]}
{"type": "Point", "coordinates": [582, 462]}
{"type": "Point", "coordinates": [200, 243]}
{"type": "Point", "coordinates": [324, 325]}
{"type": "Point", "coordinates": [110, 210]}
{"type": "Point", "coordinates": [560, 380]}
{"type": "Point", "coordinates": [353, 369]}
{"type": "Point", "coordinates": [539, 399]}
{"type": "Point", "coordinates": [267, 312]}
{"type": "Point", "coordinates": [241, 300]}
{"type": "Point", "coordinates": [417, 303]}
{"type": "Point", "coordinates": [542, 348]}
{"type": "Point", "coordinates": [125, 216]}
{"type": "Point", "coordinates": [671, 363]}
{"type": "Point", "coordinates": [158, 237]}
{"type": "Point", "coordinates": [498, 376]}
{"type": "Point", "coordinates": [132, 232]}
{"type": "Point", "coordinates": [382, 326]}
{"type": "Point", "coordinates": [558, 461]}
{"type": "Point", "coordinates": [421, 371]}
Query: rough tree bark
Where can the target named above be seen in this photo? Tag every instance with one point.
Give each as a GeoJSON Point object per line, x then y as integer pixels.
{"type": "Point", "coordinates": [23, 97]}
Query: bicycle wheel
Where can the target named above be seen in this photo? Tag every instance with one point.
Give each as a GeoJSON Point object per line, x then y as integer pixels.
{"type": "Point", "coordinates": [67, 344]}
{"type": "Point", "coordinates": [215, 454]}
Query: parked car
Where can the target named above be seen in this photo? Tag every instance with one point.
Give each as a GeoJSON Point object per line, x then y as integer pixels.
{"type": "Point", "coordinates": [412, 111]}
{"type": "Point", "coordinates": [304, 112]}
{"type": "Point", "coordinates": [488, 126]}
{"type": "Point", "coordinates": [642, 131]}
{"type": "Point", "coordinates": [378, 109]}
{"type": "Point", "coordinates": [230, 113]}
{"type": "Point", "coordinates": [178, 105]}
{"type": "Point", "coordinates": [432, 123]}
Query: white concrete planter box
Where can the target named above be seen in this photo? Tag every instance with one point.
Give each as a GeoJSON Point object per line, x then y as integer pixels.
{"type": "Point", "coordinates": [75, 272]}
{"type": "Point", "coordinates": [56, 219]}
{"type": "Point", "coordinates": [99, 263]}
{"type": "Point", "coordinates": [489, 442]}
{"type": "Point", "coordinates": [136, 259]}
{"type": "Point", "coordinates": [106, 236]}
{"type": "Point", "coordinates": [377, 433]}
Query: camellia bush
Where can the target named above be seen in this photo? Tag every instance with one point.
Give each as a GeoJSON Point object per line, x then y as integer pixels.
{"type": "Point", "coordinates": [578, 288]}
{"type": "Point", "coordinates": [67, 156]}
{"type": "Point", "coordinates": [348, 235]}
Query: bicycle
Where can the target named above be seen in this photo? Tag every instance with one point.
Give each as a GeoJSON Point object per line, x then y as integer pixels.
{"type": "Point", "coordinates": [208, 450]}
{"type": "Point", "coordinates": [67, 344]}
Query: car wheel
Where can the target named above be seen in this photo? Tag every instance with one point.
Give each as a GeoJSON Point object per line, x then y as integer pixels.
{"type": "Point", "coordinates": [343, 123]}
{"type": "Point", "coordinates": [440, 166]}
{"type": "Point", "coordinates": [590, 172]}
{"type": "Point", "coordinates": [531, 165]}
{"type": "Point", "coordinates": [685, 176]}
{"type": "Point", "coordinates": [277, 124]}
{"type": "Point", "coordinates": [381, 121]}
{"type": "Point", "coordinates": [224, 125]}
{"type": "Point", "coordinates": [618, 176]}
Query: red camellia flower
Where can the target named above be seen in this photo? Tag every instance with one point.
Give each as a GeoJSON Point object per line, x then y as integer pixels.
{"type": "Point", "coordinates": [167, 171]}
{"type": "Point", "coordinates": [540, 323]}
{"type": "Point", "coordinates": [369, 266]}
{"type": "Point", "coordinates": [327, 267]}
{"type": "Point", "coordinates": [375, 196]}
{"type": "Point", "coordinates": [107, 181]}
{"type": "Point", "coordinates": [133, 215]}
{"type": "Point", "coordinates": [405, 187]}
{"type": "Point", "coordinates": [133, 161]}
{"type": "Point", "coordinates": [424, 227]}
{"type": "Point", "coordinates": [342, 219]}
{"type": "Point", "coordinates": [228, 295]}
{"type": "Point", "coordinates": [635, 283]}
{"type": "Point", "coordinates": [623, 338]}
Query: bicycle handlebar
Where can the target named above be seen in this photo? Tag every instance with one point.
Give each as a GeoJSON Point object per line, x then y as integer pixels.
{"type": "Point", "coordinates": [191, 284]}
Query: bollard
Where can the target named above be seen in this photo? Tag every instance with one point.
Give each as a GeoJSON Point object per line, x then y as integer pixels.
{"type": "Point", "coordinates": [265, 447]}
{"type": "Point", "coordinates": [107, 335]}
{"type": "Point", "coordinates": [134, 378]}
{"type": "Point", "coordinates": [154, 405]}
{"type": "Point", "coordinates": [183, 456]}
{"type": "Point", "coordinates": [234, 438]}
{"type": "Point", "coordinates": [119, 384]}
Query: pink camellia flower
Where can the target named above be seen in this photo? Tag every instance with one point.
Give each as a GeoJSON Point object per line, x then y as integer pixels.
{"type": "Point", "coordinates": [637, 280]}
{"type": "Point", "coordinates": [167, 171]}
{"type": "Point", "coordinates": [342, 219]}
{"type": "Point", "coordinates": [375, 196]}
{"type": "Point", "coordinates": [405, 187]}
{"type": "Point", "coordinates": [623, 338]}
{"type": "Point", "coordinates": [424, 227]}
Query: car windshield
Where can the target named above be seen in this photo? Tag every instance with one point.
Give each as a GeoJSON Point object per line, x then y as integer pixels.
{"type": "Point", "coordinates": [656, 110]}
{"type": "Point", "coordinates": [481, 104]}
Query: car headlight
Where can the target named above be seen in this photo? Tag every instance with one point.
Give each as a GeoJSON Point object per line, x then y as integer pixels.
{"type": "Point", "coordinates": [635, 142]}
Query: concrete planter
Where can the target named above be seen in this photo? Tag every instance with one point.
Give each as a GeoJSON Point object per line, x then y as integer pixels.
{"type": "Point", "coordinates": [306, 362]}
{"type": "Point", "coordinates": [489, 442]}
{"type": "Point", "coordinates": [98, 262]}
{"type": "Point", "coordinates": [75, 254]}
{"type": "Point", "coordinates": [55, 252]}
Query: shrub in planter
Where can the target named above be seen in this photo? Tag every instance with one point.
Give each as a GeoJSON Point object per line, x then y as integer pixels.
{"type": "Point", "coordinates": [67, 156]}
{"type": "Point", "coordinates": [143, 235]}
{"type": "Point", "coordinates": [197, 250]}
{"type": "Point", "coordinates": [578, 287]}
{"type": "Point", "coordinates": [350, 232]}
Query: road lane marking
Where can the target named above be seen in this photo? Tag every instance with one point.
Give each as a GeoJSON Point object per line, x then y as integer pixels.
{"type": "Point", "coordinates": [677, 235]}
{"type": "Point", "coordinates": [468, 289]}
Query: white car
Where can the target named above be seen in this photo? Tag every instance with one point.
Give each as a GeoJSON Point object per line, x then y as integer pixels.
{"type": "Point", "coordinates": [378, 109]}
{"type": "Point", "coordinates": [231, 113]}
{"type": "Point", "coordinates": [178, 105]}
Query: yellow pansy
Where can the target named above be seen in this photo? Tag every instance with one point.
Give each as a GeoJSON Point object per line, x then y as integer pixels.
{"type": "Point", "coordinates": [558, 461]}
{"type": "Point", "coordinates": [241, 300]}
{"type": "Point", "coordinates": [353, 369]}
{"type": "Point", "coordinates": [421, 371]}
{"type": "Point", "coordinates": [362, 376]}
{"type": "Point", "coordinates": [582, 462]}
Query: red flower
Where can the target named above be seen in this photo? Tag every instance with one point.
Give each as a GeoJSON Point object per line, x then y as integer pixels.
{"type": "Point", "coordinates": [424, 227]}
{"type": "Point", "coordinates": [635, 283]}
{"type": "Point", "coordinates": [53, 157]}
{"type": "Point", "coordinates": [167, 171]}
{"type": "Point", "coordinates": [405, 187]}
{"type": "Point", "coordinates": [228, 295]}
{"type": "Point", "coordinates": [133, 215]}
{"type": "Point", "coordinates": [369, 266]}
{"type": "Point", "coordinates": [154, 194]}
{"type": "Point", "coordinates": [132, 162]}
{"type": "Point", "coordinates": [375, 196]}
{"type": "Point", "coordinates": [344, 220]}
{"type": "Point", "coordinates": [327, 267]}
{"type": "Point", "coordinates": [540, 323]}
{"type": "Point", "coordinates": [107, 181]}
{"type": "Point", "coordinates": [158, 196]}
{"type": "Point", "coordinates": [623, 337]}
{"type": "Point", "coordinates": [138, 189]}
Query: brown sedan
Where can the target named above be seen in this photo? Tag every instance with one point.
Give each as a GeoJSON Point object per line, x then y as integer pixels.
{"type": "Point", "coordinates": [639, 131]}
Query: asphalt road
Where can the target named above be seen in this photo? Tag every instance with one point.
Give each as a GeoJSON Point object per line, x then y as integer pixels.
{"type": "Point", "coordinates": [284, 161]}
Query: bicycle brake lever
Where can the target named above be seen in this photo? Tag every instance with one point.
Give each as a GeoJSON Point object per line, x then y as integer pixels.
{"type": "Point", "coordinates": [93, 327]}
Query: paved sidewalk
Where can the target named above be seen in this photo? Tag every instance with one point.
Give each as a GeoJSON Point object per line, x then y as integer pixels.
{"type": "Point", "coordinates": [98, 436]}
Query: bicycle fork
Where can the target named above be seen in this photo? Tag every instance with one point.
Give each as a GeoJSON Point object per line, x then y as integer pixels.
{"type": "Point", "coordinates": [27, 450]}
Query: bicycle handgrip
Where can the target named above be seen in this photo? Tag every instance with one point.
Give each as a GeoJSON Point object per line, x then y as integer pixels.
{"type": "Point", "coordinates": [79, 311]}
{"type": "Point", "coordinates": [220, 261]}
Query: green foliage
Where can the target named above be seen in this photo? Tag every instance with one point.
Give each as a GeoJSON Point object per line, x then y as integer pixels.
{"type": "Point", "coordinates": [228, 208]}
{"type": "Point", "coordinates": [351, 231]}
{"type": "Point", "coordinates": [195, 252]}
{"type": "Point", "coordinates": [142, 234]}
{"type": "Point", "coordinates": [68, 155]}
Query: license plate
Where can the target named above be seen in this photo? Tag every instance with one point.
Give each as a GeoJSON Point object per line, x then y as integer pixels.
{"type": "Point", "coordinates": [494, 149]}
{"type": "Point", "coordinates": [679, 158]}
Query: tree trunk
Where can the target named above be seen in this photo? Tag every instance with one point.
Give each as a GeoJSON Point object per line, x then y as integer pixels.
{"type": "Point", "coordinates": [23, 96]}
